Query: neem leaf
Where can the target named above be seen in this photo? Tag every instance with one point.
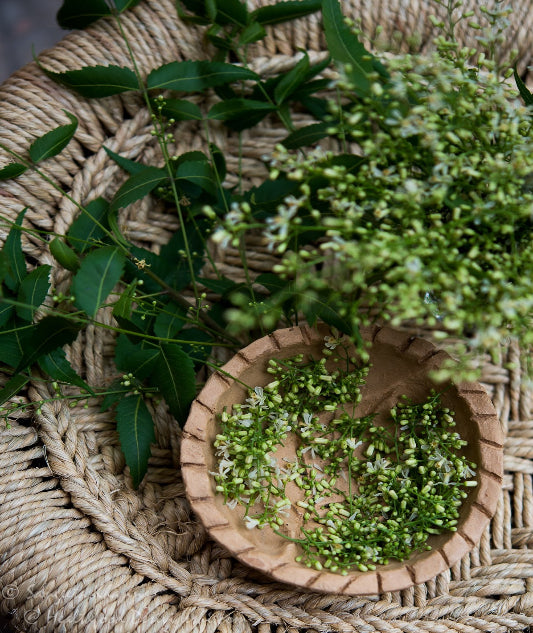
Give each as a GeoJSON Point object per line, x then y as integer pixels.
{"type": "Point", "coordinates": [131, 166]}
{"type": "Point", "coordinates": [195, 76]}
{"type": "Point", "coordinates": [115, 392]}
{"type": "Point", "coordinates": [169, 321]}
{"type": "Point", "coordinates": [124, 5]}
{"type": "Point", "coordinates": [272, 282]}
{"type": "Point", "coordinates": [136, 432]}
{"type": "Point", "coordinates": [181, 110]}
{"type": "Point", "coordinates": [99, 272]}
{"type": "Point", "coordinates": [175, 378]}
{"type": "Point", "coordinates": [198, 172]}
{"type": "Point", "coordinates": [32, 292]}
{"type": "Point", "coordinates": [6, 312]}
{"type": "Point", "coordinates": [64, 255]}
{"type": "Point", "coordinates": [220, 286]}
{"type": "Point", "coordinates": [219, 162]}
{"type": "Point", "coordinates": [135, 358]}
{"type": "Point", "coordinates": [197, 9]}
{"type": "Point", "coordinates": [306, 135]}
{"type": "Point", "coordinates": [315, 308]}
{"type": "Point", "coordinates": [53, 142]}
{"type": "Point", "coordinates": [74, 14]}
{"type": "Point", "coordinates": [252, 33]}
{"type": "Point", "coordinates": [90, 226]}
{"type": "Point", "coordinates": [14, 257]}
{"type": "Point", "coordinates": [13, 342]}
{"type": "Point", "coordinates": [345, 47]}
{"type": "Point", "coordinates": [49, 334]}
{"type": "Point", "coordinates": [12, 171]}
{"type": "Point", "coordinates": [525, 93]}
{"type": "Point", "coordinates": [292, 80]}
{"type": "Point", "coordinates": [235, 108]}
{"type": "Point", "coordinates": [123, 307]}
{"type": "Point", "coordinates": [285, 11]}
{"type": "Point", "coordinates": [97, 81]}
{"type": "Point", "coordinates": [138, 186]}
{"type": "Point", "coordinates": [231, 12]}
{"type": "Point", "coordinates": [57, 367]}
{"type": "Point", "coordinates": [12, 387]}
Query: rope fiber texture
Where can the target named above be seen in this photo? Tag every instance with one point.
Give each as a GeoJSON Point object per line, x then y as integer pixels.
{"type": "Point", "coordinates": [80, 550]}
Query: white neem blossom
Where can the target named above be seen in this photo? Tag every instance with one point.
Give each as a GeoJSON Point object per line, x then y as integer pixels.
{"type": "Point", "coordinates": [250, 523]}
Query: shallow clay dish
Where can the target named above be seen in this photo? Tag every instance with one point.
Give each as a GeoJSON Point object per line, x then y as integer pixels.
{"type": "Point", "coordinates": [400, 365]}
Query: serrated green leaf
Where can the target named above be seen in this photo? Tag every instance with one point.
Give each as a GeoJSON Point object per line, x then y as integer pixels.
{"type": "Point", "coordinates": [199, 173]}
{"type": "Point", "coordinates": [138, 186]}
{"type": "Point", "coordinates": [175, 378]}
{"type": "Point", "coordinates": [172, 265]}
{"type": "Point", "coordinates": [64, 255]}
{"type": "Point", "coordinates": [169, 321]}
{"type": "Point", "coordinates": [200, 346]}
{"type": "Point", "coordinates": [292, 80]}
{"type": "Point", "coordinates": [219, 162]}
{"type": "Point", "coordinates": [231, 12]}
{"type": "Point", "coordinates": [306, 136]}
{"type": "Point", "coordinates": [266, 198]}
{"type": "Point", "coordinates": [74, 14]}
{"type": "Point", "coordinates": [32, 292]}
{"type": "Point", "coordinates": [220, 286]}
{"type": "Point", "coordinates": [13, 341]}
{"type": "Point", "coordinates": [14, 257]}
{"type": "Point", "coordinates": [12, 171]}
{"type": "Point", "coordinates": [53, 142]}
{"type": "Point", "coordinates": [99, 272]}
{"type": "Point", "coordinates": [97, 81]}
{"type": "Point", "coordinates": [124, 5]}
{"type": "Point", "coordinates": [136, 357]}
{"type": "Point", "coordinates": [525, 93]}
{"type": "Point", "coordinates": [6, 312]}
{"type": "Point", "coordinates": [285, 11]}
{"type": "Point", "coordinates": [272, 282]}
{"type": "Point", "coordinates": [196, 76]}
{"type": "Point", "coordinates": [56, 367]}
{"type": "Point", "coordinates": [197, 8]}
{"type": "Point", "coordinates": [50, 333]}
{"type": "Point", "coordinates": [115, 392]}
{"type": "Point", "coordinates": [180, 110]}
{"type": "Point", "coordinates": [345, 47]}
{"type": "Point", "coordinates": [123, 307]}
{"type": "Point", "coordinates": [316, 308]}
{"type": "Point", "coordinates": [13, 387]}
{"type": "Point", "coordinates": [90, 226]}
{"type": "Point", "coordinates": [236, 108]}
{"type": "Point", "coordinates": [136, 432]}
{"type": "Point", "coordinates": [131, 166]}
{"type": "Point", "coordinates": [252, 33]}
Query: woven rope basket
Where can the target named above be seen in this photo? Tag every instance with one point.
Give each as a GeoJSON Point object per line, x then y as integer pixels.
{"type": "Point", "coordinates": [80, 551]}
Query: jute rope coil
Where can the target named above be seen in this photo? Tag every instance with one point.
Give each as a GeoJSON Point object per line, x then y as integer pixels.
{"type": "Point", "coordinates": [80, 551]}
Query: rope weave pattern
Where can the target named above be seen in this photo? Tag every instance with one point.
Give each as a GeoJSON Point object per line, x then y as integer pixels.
{"type": "Point", "coordinates": [80, 551]}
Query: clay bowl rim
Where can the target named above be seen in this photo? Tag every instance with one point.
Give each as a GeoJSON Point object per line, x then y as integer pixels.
{"type": "Point", "coordinates": [482, 500]}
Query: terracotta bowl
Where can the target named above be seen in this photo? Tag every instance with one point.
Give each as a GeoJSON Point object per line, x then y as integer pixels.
{"type": "Point", "coordinates": [400, 364]}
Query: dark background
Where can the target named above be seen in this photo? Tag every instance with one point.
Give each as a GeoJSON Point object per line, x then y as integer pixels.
{"type": "Point", "coordinates": [23, 24]}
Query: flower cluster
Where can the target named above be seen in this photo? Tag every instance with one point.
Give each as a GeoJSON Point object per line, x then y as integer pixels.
{"type": "Point", "coordinates": [431, 197]}
{"type": "Point", "coordinates": [367, 492]}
